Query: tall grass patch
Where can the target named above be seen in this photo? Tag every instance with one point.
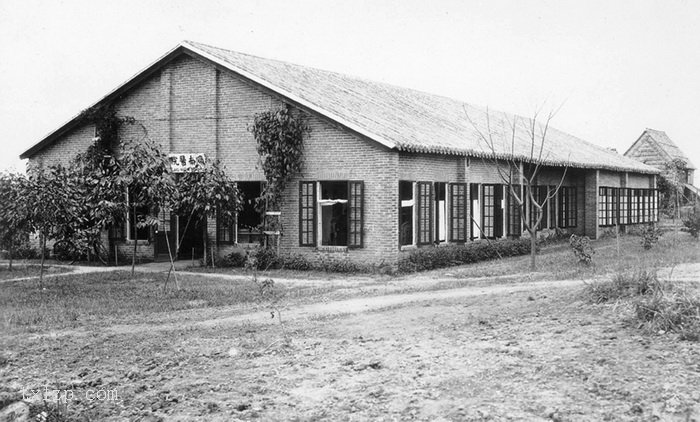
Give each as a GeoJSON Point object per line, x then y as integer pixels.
{"type": "Point", "coordinates": [657, 306]}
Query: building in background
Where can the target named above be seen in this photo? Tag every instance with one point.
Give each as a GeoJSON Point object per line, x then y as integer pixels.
{"type": "Point", "coordinates": [655, 148]}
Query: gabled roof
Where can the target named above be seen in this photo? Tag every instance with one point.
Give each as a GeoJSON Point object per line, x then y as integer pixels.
{"type": "Point", "coordinates": [664, 144]}
{"type": "Point", "coordinates": [398, 118]}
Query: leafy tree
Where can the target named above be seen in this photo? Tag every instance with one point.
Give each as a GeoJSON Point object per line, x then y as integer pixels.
{"type": "Point", "coordinates": [14, 214]}
{"type": "Point", "coordinates": [208, 192]}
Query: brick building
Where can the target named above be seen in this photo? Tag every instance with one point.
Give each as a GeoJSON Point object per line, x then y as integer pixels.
{"type": "Point", "coordinates": [386, 169]}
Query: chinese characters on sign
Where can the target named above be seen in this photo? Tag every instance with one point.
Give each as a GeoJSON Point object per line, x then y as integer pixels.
{"type": "Point", "coordinates": [185, 163]}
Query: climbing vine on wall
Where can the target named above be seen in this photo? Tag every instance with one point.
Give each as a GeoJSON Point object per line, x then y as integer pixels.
{"type": "Point", "coordinates": [107, 124]}
{"type": "Point", "coordinates": [279, 135]}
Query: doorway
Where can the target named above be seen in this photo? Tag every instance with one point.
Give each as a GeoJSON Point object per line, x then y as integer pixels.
{"type": "Point", "coordinates": [190, 236]}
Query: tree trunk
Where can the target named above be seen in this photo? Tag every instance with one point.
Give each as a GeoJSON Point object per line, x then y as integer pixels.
{"type": "Point", "coordinates": [42, 244]}
{"type": "Point", "coordinates": [204, 241]}
{"type": "Point", "coordinates": [133, 256]}
{"type": "Point", "coordinates": [533, 250]}
{"type": "Point", "coordinates": [10, 251]}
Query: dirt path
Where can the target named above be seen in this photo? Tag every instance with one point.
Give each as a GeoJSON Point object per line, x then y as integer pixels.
{"type": "Point", "coordinates": [325, 309]}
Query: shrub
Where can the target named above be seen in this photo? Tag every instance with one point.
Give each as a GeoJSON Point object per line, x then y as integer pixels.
{"type": "Point", "coordinates": [297, 262]}
{"type": "Point", "coordinates": [234, 259]}
{"type": "Point", "coordinates": [25, 251]}
{"type": "Point", "coordinates": [581, 245]}
{"type": "Point", "coordinates": [340, 266]}
{"type": "Point", "coordinates": [692, 223]}
{"type": "Point", "coordinates": [650, 236]}
{"type": "Point", "coordinates": [265, 259]}
{"type": "Point", "coordinates": [624, 286]}
{"type": "Point", "coordinates": [445, 256]}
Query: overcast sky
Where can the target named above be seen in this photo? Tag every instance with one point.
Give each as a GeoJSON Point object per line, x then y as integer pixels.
{"type": "Point", "coordinates": [616, 66]}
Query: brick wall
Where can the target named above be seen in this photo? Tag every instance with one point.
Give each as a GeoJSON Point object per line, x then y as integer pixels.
{"type": "Point", "coordinates": [191, 107]}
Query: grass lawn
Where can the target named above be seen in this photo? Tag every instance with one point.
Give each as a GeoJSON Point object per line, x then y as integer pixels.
{"type": "Point", "coordinates": [22, 270]}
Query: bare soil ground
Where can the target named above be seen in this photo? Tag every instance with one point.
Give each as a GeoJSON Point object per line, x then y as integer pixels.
{"type": "Point", "coordinates": [513, 348]}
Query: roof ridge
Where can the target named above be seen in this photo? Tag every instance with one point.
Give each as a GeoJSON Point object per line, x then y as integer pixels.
{"type": "Point", "coordinates": [333, 72]}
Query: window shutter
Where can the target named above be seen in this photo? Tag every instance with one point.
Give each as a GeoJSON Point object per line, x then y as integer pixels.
{"type": "Point", "coordinates": [425, 213]}
{"type": "Point", "coordinates": [458, 212]}
{"type": "Point", "coordinates": [514, 223]}
{"type": "Point", "coordinates": [307, 213]}
{"type": "Point", "coordinates": [356, 204]}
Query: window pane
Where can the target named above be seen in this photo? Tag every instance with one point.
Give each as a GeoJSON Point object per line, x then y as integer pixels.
{"type": "Point", "coordinates": [249, 219]}
{"type": "Point", "coordinates": [334, 213]}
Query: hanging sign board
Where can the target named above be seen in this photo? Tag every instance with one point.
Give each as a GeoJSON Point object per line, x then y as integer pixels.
{"type": "Point", "coordinates": [187, 163]}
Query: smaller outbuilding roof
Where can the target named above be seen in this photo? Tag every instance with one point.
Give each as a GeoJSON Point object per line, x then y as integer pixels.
{"type": "Point", "coordinates": [664, 144]}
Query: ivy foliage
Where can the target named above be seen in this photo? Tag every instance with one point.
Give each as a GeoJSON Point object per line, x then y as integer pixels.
{"type": "Point", "coordinates": [107, 124]}
{"type": "Point", "coordinates": [279, 135]}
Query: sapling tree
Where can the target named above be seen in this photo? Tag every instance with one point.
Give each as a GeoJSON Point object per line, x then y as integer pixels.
{"type": "Point", "coordinates": [53, 205]}
{"type": "Point", "coordinates": [144, 175]}
{"type": "Point", "coordinates": [516, 147]}
{"type": "Point", "coordinates": [14, 213]}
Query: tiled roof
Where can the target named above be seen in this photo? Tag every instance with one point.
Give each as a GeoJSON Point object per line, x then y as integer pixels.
{"type": "Point", "coordinates": [668, 146]}
{"type": "Point", "coordinates": [399, 118]}
{"type": "Point", "coordinates": [411, 120]}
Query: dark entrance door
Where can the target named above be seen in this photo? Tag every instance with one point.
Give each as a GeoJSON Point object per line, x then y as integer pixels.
{"type": "Point", "coordinates": [166, 228]}
{"type": "Point", "coordinates": [191, 235]}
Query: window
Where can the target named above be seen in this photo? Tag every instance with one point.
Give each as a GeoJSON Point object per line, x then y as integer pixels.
{"type": "Point", "coordinates": [540, 194]}
{"type": "Point", "coordinates": [307, 213]}
{"type": "Point", "coordinates": [634, 206]}
{"type": "Point", "coordinates": [567, 207]}
{"type": "Point", "coordinates": [608, 206]}
{"type": "Point", "coordinates": [225, 233]}
{"type": "Point", "coordinates": [117, 231]}
{"type": "Point", "coordinates": [249, 219]}
{"type": "Point", "coordinates": [425, 213]}
{"type": "Point", "coordinates": [458, 212]}
{"type": "Point", "coordinates": [334, 217]}
{"type": "Point", "coordinates": [514, 222]}
{"type": "Point", "coordinates": [334, 213]}
{"type": "Point", "coordinates": [624, 206]}
{"type": "Point", "coordinates": [440, 212]}
{"type": "Point", "coordinates": [475, 211]}
{"type": "Point", "coordinates": [406, 213]}
{"type": "Point", "coordinates": [133, 231]}
{"type": "Point", "coordinates": [552, 207]}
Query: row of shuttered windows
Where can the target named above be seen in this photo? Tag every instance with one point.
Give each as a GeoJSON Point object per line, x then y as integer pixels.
{"type": "Point", "coordinates": [332, 213]}
{"type": "Point", "coordinates": [627, 206]}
